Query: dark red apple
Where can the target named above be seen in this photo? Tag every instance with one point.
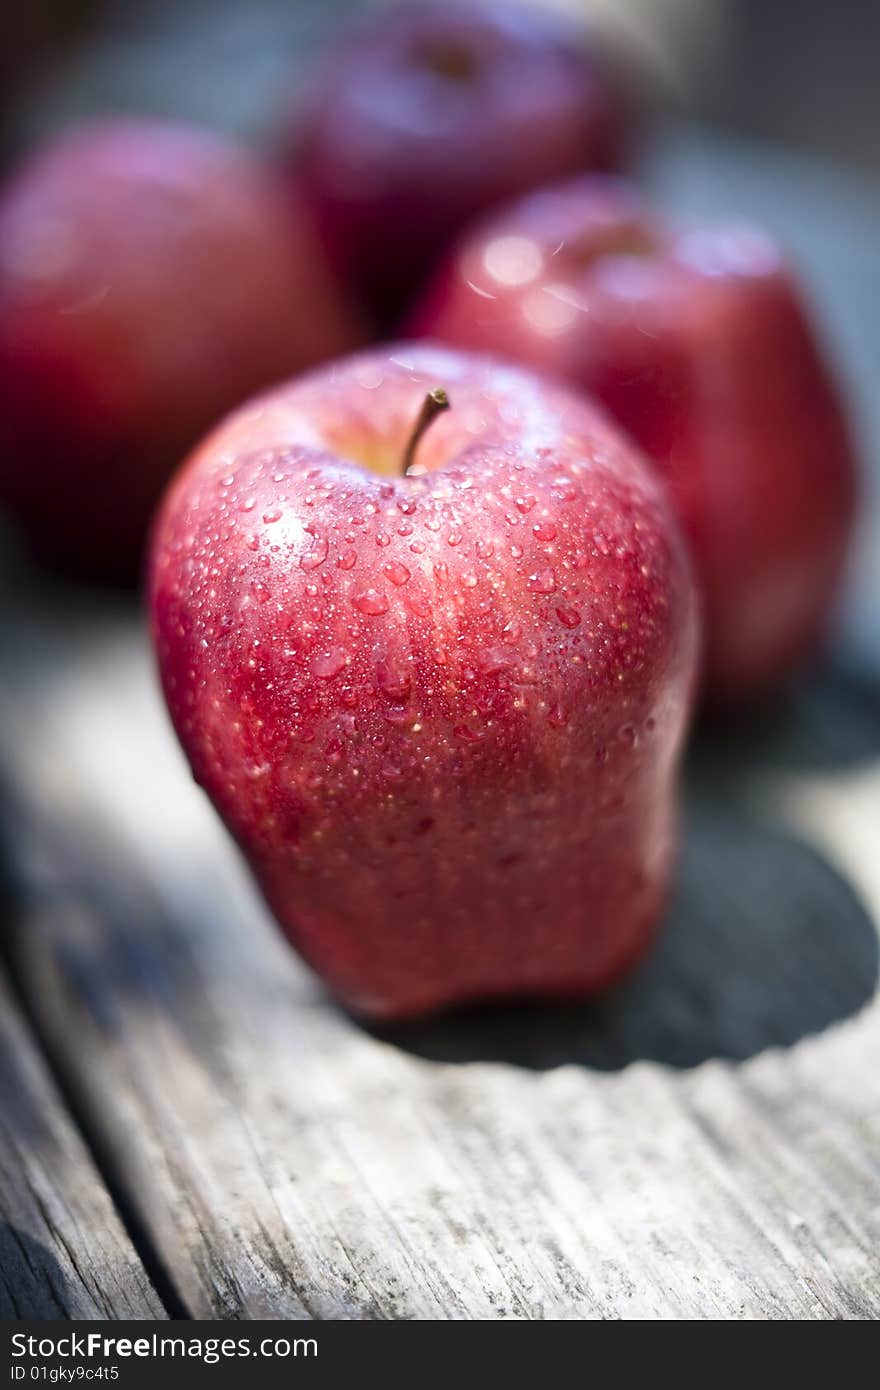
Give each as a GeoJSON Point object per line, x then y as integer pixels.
{"type": "Point", "coordinates": [442, 712]}
{"type": "Point", "coordinates": [429, 115]}
{"type": "Point", "coordinates": [152, 276]}
{"type": "Point", "coordinates": [698, 342]}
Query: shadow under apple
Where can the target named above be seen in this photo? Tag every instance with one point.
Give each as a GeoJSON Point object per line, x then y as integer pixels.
{"type": "Point", "coordinates": [32, 1284]}
{"type": "Point", "coordinates": [765, 943]}
{"type": "Point", "coordinates": [827, 719]}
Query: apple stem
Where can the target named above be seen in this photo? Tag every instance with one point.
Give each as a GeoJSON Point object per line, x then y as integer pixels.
{"type": "Point", "coordinates": [433, 405]}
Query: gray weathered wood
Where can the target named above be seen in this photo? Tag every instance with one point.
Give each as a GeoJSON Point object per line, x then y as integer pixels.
{"type": "Point", "coordinates": [63, 1252]}
{"type": "Point", "coordinates": [704, 1143]}
{"type": "Point", "coordinates": [595, 1162]}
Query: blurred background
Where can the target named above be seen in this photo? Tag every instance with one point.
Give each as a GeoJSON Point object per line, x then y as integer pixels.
{"type": "Point", "coordinates": [764, 111]}
{"type": "Point", "coordinates": [767, 110]}
{"type": "Point", "coordinates": [802, 74]}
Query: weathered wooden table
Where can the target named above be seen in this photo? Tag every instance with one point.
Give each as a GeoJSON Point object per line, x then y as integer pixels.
{"type": "Point", "coordinates": [188, 1126]}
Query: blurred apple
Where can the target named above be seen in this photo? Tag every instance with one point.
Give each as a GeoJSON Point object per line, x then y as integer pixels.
{"type": "Point", "coordinates": [151, 276]}
{"type": "Point", "coordinates": [435, 111]}
{"type": "Point", "coordinates": [698, 342]}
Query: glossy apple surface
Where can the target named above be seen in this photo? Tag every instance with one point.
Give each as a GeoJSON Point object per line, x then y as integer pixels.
{"type": "Point", "coordinates": [429, 115]}
{"type": "Point", "coordinates": [441, 713]}
{"type": "Point", "coordinates": [152, 276]}
{"type": "Point", "coordinates": [698, 342]}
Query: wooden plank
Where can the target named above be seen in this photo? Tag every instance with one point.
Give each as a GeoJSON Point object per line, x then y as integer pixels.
{"type": "Point", "coordinates": [703, 1143]}
{"type": "Point", "coordinates": [590, 1163]}
{"type": "Point", "coordinates": [63, 1252]}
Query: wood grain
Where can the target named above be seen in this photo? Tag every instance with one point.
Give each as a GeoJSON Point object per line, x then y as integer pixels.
{"type": "Point", "coordinates": [63, 1252]}
{"type": "Point", "coordinates": [703, 1143]}
{"type": "Point", "coordinates": [602, 1162]}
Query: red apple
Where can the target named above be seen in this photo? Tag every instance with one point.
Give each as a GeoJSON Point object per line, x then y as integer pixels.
{"type": "Point", "coordinates": [441, 713]}
{"type": "Point", "coordinates": [152, 276]}
{"type": "Point", "coordinates": [433, 112]}
{"type": "Point", "coordinates": [698, 342]}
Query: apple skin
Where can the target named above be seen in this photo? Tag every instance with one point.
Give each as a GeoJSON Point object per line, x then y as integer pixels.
{"type": "Point", "coordinates": [152, 276]}
{"type": "Point", "coordinates": [441, 714]}
{"type": "Point", "coordinates": [698, 343]}
{"type": "Point", "coordinates": [433, 112]}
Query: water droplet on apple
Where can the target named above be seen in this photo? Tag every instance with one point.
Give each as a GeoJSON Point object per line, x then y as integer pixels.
{"type": "Point", "coordinates": [543, 582]}
{"type": "Point", "coordinates": [383, 539]}
{"type": "Point", "coordinates": [397, 715]}
{"type": "Point", "coordinates": [394, 683]}
{"type": "Point", "coordinates": [328, 665]}
{"type": "Point", "coordinates": [274, 515]}
{"type": "Point", "coordinates": [569, 617]}
{"type": "Point", "coordinates": [397, 573]}
{"type": "Point", "coordinates": [544, 531]}
{"type": "Point", "coordinates": [315, 555]}
{"type": "Point", "coordinates": [557, 716]}
{"type": "Point", "coordinates": [524, 504]}
{"type": "Point", "coordinates": [371, 602]}
{"type": "Point", "coordinates": [347, 560]}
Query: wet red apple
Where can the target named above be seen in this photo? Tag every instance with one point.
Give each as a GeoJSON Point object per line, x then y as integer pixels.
{"type": "Point", "coordinates": [152, 276]}
{"type": "Point", "coordinates": [698, 342]}
{"type": "Point", "coordinates": [435, 680]}
{"type": "Point", "coordinates": [433, 112]}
